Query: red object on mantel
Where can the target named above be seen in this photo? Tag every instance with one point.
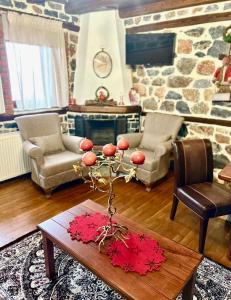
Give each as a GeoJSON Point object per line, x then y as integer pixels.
{"type": "Point", "coordinates": [142, 255]}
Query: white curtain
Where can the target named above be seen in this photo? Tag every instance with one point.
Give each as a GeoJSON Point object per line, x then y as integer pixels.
{"type": "Point", "coordinates": [37, 61]}
{"type": "Point", "coordinates": [2, 104]}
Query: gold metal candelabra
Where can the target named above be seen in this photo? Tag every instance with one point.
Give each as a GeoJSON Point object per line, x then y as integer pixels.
{"type": "Point", "coordinates": [99, 181]}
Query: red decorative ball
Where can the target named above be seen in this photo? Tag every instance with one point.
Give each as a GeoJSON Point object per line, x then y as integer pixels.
{"type": "Point", "coordinates": [89, 159]}
{"type": "Point", "coordinates": [123, 144]}
{"type": "Point", "coordinates": [86, 145]}
{"type": "Point", "coordinates": [138, 157]}
{"type": "Point", "coordinates": [109, 150]}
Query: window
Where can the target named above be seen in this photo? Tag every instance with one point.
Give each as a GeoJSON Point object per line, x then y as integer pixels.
{"type": "Point", "coordinates": [32, 76]}
{"type": "Point", "coordinates": [2, 105]}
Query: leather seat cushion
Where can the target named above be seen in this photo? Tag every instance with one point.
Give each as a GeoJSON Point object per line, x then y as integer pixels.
{"type": "Point", "coordinates": [59, 163]}
{"type": "Point", "coordinates": [207, 199]}
{"type": "Point", "coordinates": [150, 164]}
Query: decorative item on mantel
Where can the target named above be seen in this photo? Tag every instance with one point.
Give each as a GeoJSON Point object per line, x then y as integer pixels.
{"type": "Point", "coordinates": [72, 101]}
{"type": "Point", "coordinates": [134, 97]}
{"type": "Point", "coordinates": [101, 98]}
{"type": "Point", "coordinates": [103, 170]}
{"type": "Point", "coordinates": [222, 76]}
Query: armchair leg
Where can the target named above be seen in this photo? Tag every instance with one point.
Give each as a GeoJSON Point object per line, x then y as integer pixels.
{"type": "Point", "coordinates": [48, 193]}
{"type": "Point", "coordinates": [174, 207]}
{"type": "Point", "coordinates": [203, 231]}
{"type": "Point", "coordinates": [148, 188]}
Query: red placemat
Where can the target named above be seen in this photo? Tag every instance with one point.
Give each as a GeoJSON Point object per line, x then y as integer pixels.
{"type": "Point", "coordinates": [84, 227]}
{"type": "Point", "coordinates": [141, 255]}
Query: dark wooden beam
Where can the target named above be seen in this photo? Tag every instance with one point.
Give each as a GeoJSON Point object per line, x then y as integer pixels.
{"type": "Point", "coordinates": [5, 117]}
{"type": "Point", "coordinates": [207, 121]}
{"type": "Point", "coordinates": [217, 17]}
{"type": "Point", "coordinates": [159, 6]}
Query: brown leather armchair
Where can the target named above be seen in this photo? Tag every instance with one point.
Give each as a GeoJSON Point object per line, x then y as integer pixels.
{"type": "Point", "coordinates": [194, 186]}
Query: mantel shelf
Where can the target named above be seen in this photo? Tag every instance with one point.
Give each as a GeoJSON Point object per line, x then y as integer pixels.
{"type": "Point", "coordinates": [105, 109]}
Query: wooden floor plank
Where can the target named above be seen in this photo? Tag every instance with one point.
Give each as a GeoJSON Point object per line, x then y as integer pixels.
{"type": "Point", "coordinates": [23, 206]}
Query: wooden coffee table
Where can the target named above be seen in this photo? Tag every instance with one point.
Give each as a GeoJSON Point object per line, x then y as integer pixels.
{"type": "Point", "coordinates": [176, 274]}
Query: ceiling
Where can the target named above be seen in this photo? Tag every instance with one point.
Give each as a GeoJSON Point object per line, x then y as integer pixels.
{"type": "Point", "coordinates": [84, 6]}
{"type": "Point", "coordinates": [127, 6]}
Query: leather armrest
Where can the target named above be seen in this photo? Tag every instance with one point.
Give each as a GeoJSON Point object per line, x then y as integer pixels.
{"type": "Point", "coordinates": [133, 139]}
{"type": "Point", "coordinates": [72, 143]}
{"type": "Point", "coordinates": [33, 151]}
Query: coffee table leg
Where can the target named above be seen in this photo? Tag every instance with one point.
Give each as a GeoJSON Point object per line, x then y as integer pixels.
{"type": "Point", "coordinates": [187, 293]}
{"type": "Point", "coordinates": [49, 256]}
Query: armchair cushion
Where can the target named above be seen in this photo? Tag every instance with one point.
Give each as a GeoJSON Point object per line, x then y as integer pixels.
{"type": "Point", "coordinates": [49, 144]}
{"type": "Point", "coordinates": [72, 143]}
{"type": "Point", "coordinates": [58, 163]}
{"type": "Point", "coordinates": [150, 141]}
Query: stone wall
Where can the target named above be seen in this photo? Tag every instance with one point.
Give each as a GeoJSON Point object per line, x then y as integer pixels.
{"type": "Point", "coordinates": [185, 88]}
{"type": "Point", "coordinates": [56, 11]}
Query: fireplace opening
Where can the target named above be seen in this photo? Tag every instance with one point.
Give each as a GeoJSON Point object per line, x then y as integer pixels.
{"type": "Point", "coordinates": [100, 131]}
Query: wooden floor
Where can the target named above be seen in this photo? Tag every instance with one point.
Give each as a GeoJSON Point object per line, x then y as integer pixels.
{"type": "Point", "coordinates": [23, 206]}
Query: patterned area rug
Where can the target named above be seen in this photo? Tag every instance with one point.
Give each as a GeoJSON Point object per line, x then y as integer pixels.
{"type": "Point", "coordinates": [22, 276]}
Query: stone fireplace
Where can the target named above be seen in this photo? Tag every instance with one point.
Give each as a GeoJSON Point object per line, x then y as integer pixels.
{"type": "Point", "coordinates": [103, 124]}
{"type": "Point", "coordinates": [100, 130]}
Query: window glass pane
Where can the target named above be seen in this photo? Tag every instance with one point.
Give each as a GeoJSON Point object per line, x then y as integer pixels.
{"type": "Point", "coordinates": [31, 76]}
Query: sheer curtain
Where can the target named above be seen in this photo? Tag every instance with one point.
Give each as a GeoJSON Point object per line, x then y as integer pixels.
{"type": "Point", "coordinates": [2, 104]}
{"type": "Point", "coordinates": [37, 61]}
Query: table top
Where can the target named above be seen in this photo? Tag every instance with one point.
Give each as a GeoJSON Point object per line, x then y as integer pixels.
{"type": "Point", "coordinates": [225, 173]}
{"type": "Point", "coordinates": [166, 283]}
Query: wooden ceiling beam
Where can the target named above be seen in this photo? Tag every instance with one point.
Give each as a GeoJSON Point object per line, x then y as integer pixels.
{"type": "Point", "coordinates": [159, 6]}
{"type": "Point", "coordinates": [217, 17]}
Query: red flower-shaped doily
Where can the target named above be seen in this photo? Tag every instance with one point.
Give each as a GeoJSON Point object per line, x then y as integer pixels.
{"type": "Point", "coordinates": [84, 227]}
{"type": "Point", "coordinates": [141, 256]}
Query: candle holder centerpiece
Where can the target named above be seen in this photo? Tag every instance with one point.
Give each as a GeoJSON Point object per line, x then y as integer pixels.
{"type": "Point", "coordinates": [103, 171]}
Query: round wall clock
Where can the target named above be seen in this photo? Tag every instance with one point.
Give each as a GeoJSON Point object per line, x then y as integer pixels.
{"type": "Point", "coordinates": [102, 64]}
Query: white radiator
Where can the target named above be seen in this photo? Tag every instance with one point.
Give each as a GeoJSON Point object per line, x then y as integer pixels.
{"type": "Point", "coordinates": [13, 160]}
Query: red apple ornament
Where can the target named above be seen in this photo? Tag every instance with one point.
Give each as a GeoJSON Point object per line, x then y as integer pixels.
{"type": "Point", "coordinates": [86, 145]}
{"type": "Point", "coordinates": [109, 150]}
{"type": "Point", "coordinates": [123, 144]}
{"type": "Point", "coordinates": [138, 157]}
{"type": "Point", "coordinates": [89, 159]}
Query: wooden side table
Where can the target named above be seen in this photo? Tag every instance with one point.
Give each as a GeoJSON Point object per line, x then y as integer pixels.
{"type": "Point", "coordinates": [225, 174]}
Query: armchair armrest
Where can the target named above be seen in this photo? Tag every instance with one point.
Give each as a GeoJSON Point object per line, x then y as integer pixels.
{"type": "Point", "coordinates": [33, 152]}
{"type": "Point", "coordinates": [163, 148]}
{"type": "Point", "coordinates": [72, 143]}
{"type": "Point", "coordinates": [133, 139]}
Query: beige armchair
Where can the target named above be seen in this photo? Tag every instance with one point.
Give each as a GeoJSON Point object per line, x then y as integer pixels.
{"type": "Point", "coordinates": [52, 153]}
{"type": "Point", "coordinates": [156, 143]}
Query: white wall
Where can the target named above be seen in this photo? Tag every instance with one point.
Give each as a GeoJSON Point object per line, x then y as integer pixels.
{"type": "Point", "coordinates": [101, 30]}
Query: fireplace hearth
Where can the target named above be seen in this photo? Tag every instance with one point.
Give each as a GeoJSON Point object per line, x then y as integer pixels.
{"type": "Point", "coordinates": [100, 130]}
